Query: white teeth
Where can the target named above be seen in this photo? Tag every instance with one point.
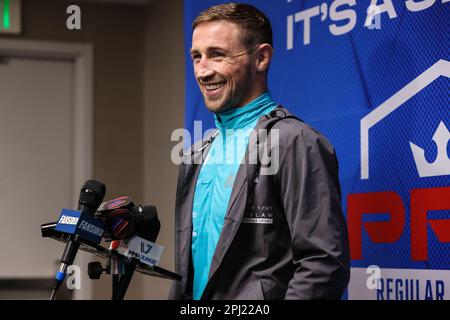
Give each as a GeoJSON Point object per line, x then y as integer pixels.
{"type": "Point", "coordinates": [213, 86]}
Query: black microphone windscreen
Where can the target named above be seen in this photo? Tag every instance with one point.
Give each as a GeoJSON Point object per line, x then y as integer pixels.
{"type": "Point", "coordinates": [91, 195]}
{"type": "Point", "coordinates": [150, 225]}
{"type": "Point", "coordinates": [149, 213]}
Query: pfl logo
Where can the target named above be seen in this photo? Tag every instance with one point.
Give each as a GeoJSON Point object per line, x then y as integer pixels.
{"type": "Point", "coordinates": [421, 201]}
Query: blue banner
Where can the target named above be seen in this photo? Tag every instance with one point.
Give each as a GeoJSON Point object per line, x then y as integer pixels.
{"type": "Point", "coordinates": [373, 77]}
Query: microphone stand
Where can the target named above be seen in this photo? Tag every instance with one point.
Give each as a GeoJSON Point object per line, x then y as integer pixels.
{"type": "Point", "coordinates": [121, 268]}
{"type": "Point", "coordinates": [122, 272]}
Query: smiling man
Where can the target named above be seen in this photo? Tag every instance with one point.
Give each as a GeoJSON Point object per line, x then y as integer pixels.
{"type": "Point", "coordinates": [242, 233]}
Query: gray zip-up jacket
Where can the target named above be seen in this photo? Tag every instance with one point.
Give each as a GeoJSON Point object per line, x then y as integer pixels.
{"type": "Point", "coordinates": [284, 234]}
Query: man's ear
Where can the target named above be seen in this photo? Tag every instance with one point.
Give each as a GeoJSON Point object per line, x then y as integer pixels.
{"type": "Point", "coordinates": [264, 55]}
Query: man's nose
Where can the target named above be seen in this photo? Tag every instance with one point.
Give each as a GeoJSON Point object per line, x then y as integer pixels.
{"type": "Point", "coordinates": [203, 70]}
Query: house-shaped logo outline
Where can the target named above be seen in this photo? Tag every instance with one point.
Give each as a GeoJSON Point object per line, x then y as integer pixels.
{"type": "Point", "coordinates": [440, 68]}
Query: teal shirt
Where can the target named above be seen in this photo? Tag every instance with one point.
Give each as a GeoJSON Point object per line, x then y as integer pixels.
{"type": "Point", "coordinates": [216, 179]}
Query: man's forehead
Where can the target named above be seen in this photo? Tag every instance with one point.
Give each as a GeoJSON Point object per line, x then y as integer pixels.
{"type": "Point", "coordinates": [216, 34]}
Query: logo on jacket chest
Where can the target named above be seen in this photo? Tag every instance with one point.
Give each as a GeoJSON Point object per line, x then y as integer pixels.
{"type": "Point", "coordinates": [259, 215]}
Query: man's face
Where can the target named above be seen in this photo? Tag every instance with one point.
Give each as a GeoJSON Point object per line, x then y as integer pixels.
{"type": "Point", "coordinates": [223, 67]}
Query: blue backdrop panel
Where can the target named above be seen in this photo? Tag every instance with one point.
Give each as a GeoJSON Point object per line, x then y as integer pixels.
{"type": "Point", "coordinates": [395, 75]}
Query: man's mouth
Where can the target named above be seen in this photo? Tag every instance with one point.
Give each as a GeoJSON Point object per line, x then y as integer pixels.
{"type": "Point", "coordinates": [211, 87]}
{"type": "Point", "coordinates": [214, 86]}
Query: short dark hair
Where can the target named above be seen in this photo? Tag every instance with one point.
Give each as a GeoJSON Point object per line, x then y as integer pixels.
{"type": "Point", "coordinates": [255, 24]}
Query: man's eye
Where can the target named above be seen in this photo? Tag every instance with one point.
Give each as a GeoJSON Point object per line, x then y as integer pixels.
{"type": "Point", "coordinates": [217, 55]}
{"type": "Point", "coordinates": [195, 57]}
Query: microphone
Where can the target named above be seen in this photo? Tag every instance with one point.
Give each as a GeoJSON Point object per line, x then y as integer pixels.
{"type": "Point", "coordinates": [135, 226]}
{"type": "Point", "coordinates": [117, 203]}
{"type": "Point", "coordinates": [150, 224]}
{"type": "Point", "coordinates": [106, 208]}
{"type": "Point", "coordinates": [142, 244]}
{"type": "Point", "coordinates": [91, 196]}
{"type": "Point", "coordinates": [124, 223]}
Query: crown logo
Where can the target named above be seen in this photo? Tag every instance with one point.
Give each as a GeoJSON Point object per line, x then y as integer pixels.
{"type": "Point", "coordinates": [440, 166]}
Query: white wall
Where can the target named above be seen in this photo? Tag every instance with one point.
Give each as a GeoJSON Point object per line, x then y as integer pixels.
{"type": "Point", "coordinates": [138, 101]}
{"type": "Point", "coordinates": [163, 112]}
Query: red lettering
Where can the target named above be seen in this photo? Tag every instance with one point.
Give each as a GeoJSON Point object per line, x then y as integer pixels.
{"type": "Point", "coordinates": [422, 201]}
{"type": "Point", "coordinates": [383, 231]}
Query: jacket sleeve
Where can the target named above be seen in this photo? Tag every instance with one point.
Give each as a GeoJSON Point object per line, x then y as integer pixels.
{"type": "Point", "coordinates": [175, 292]}
{"type": "Point", "coordinates": [310, 194]}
